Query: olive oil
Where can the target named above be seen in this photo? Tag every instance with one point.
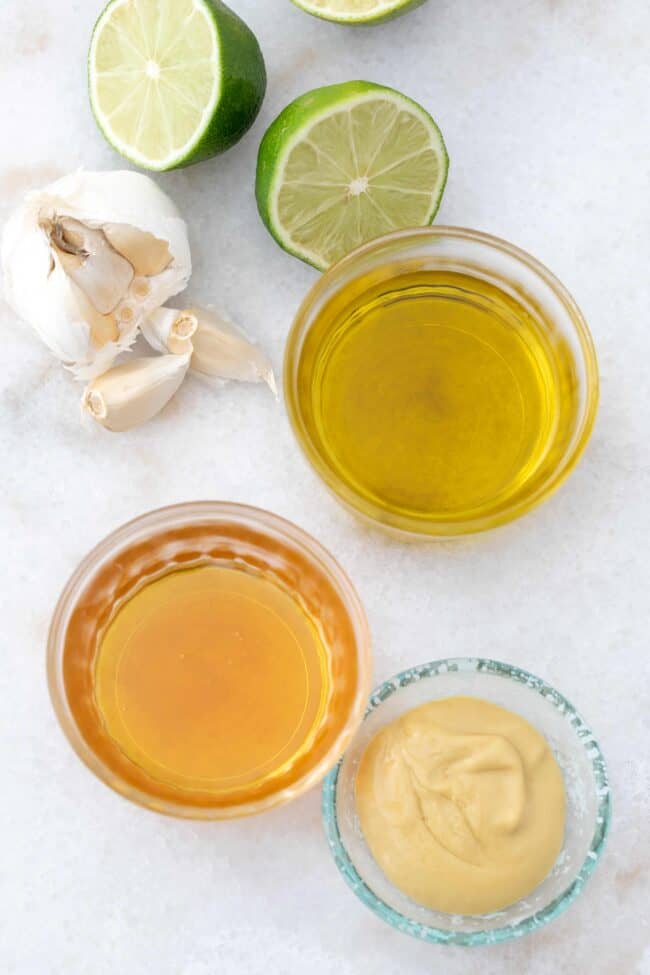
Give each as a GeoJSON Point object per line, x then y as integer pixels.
{"type": "Point", "coordinates": [434, 395]}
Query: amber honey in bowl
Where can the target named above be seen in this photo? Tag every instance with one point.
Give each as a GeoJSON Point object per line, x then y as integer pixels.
{"type": "Point", "coordinates": [173, 681]}
{"type": "Point", "coordinates": [210, 667]}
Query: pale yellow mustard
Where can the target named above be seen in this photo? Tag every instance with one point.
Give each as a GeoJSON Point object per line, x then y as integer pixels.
{"type": "Point", "coordinates": [462, 805]}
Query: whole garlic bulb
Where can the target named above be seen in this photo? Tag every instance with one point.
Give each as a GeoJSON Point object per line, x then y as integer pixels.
{"type": "Point", "coordinates": [88, 258]}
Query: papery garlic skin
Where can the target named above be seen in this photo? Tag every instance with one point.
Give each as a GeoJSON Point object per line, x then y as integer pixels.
{"type": "Point", "coordinates": [220, 349]}
{"type": "Point", "coordinates": [134, 392]}
{"type": "Point", "coordinates": [72, 314]}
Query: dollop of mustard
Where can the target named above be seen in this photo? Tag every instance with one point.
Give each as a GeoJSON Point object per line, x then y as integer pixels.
{"type": "Point", "coordinates": [462, 804]}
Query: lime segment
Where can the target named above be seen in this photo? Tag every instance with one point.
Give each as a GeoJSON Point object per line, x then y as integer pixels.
{"type": "Point", "coordinates": [173, 81]}
{"type": "Point", "coordinates": [344, 164]}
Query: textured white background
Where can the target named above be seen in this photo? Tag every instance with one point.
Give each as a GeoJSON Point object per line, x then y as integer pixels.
{"type": "Point", "coordinates": [544, 105]}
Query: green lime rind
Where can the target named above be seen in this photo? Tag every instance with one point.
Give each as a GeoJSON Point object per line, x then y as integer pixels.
{"type": "Point", "coordinates": [242, 86]}
{"type": "Point", "coordinates": [294, 122]}
{"type": "Point", "coordinates": [359, 20]}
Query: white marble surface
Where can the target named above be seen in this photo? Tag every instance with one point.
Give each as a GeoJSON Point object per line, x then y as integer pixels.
{"type": "Point", "coordinates": [544, 106]}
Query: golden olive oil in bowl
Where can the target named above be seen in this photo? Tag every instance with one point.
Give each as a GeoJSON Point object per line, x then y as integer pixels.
{"type": "Point", "coordinates": [441, 381]}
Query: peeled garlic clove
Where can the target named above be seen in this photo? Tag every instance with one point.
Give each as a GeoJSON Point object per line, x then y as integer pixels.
{"type": "Point", "coordinates": [169, 330]}
{"type": "Point", "coordinates": [221, 350]}
{"type": "Point", "coordinates": [65, 275]}
{"type": "Point", "coordinates": [148, 255]}
{"type": "Point", "coordinates": [140, 289]}
{"type": "Point", "coordinates": [104, 329]}
{"type": "Point", "coordinates": [132, 393]}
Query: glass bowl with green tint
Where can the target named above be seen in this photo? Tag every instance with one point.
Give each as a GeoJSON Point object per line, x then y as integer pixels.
{"type": "Point", "coordinates": [588, 808]}
{"type": "Point", "coordinates": [396, 372]}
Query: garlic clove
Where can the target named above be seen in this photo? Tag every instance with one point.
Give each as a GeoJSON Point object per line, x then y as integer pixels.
{"type": "Point", "coordinates": [219, 349]}
{"type": "Point", "coordinates": [148, 255]}
{"type": "Point", "coordinates": [140, 288]}
{"type": "Point", "coordinates": [91, 262]}
{"type": "Point", "coordinates": [222, 350]}
{"type": "Point", "coordinates": [169, 330]}
{"type": "Point", "coordinates": [132, 393]}
{"type": "Point", "coordinates": [104, 329]}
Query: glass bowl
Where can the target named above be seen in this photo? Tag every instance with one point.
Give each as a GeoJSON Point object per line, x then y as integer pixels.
{"type": "Point", "coordinates": [192, 534]}
{"type": "Point", "coordinates": [587, 813]}
{"type": "Point", "coordinates": [487, 258]}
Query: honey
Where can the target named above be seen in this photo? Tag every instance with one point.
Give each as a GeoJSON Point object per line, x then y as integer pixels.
{"type": "Point", "coordinates": [434, 396]}
{"type": "Point", "coordinates": [212, 678]}
{"type": "Point", "coordinates": [213, 666]}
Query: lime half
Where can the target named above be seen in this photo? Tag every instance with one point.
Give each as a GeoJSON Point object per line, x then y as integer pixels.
{"type": "Point", "coordinates": [347, 163]}
{"type": "Point", "coordinates": [357, 11]}
{"type": "Point", "coordinates": [173, 82]}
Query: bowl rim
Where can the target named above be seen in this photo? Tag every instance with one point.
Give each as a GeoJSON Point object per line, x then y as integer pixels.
{"type": "Point", "coordinates": [558, 905]}
{"type": "Point", "coordinates": [189, 512]}
{"type": "Point", "coordinates": [405, 526]}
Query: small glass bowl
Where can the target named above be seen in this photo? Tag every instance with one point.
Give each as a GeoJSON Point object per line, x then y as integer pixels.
{"type": "Point", "coordinates": [587, 813]}
{"type": "Point", "coordinates": [486, 258]}
{"type": "Point", "coordinates": [189, 534]}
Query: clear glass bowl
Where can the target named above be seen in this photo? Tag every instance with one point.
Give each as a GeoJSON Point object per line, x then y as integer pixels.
{"type": "Point", "coordinates": [587, 813]}
{"type": "Point", "coordinates": [194, 533]}
{"type": "Point", "coordinates": [511, 270]}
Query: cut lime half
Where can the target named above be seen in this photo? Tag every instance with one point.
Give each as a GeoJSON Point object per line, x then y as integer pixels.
{"type": "Point", "coordinates": [173, 81]}
{"type": "Point", "coordinates": [345, 164]}
{"type": "Point", "coordinates": [357, 11]}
